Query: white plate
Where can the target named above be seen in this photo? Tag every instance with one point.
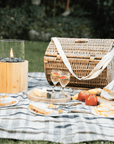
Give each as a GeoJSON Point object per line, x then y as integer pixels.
{"type": "Point", "coordinates": [7, 100]}
{"type": "Point", "coordinates": [54, 114]}
{"type": "Point", "coordinates": [45, 105]}
{"type": "Point", "coordinates": [93, 112]}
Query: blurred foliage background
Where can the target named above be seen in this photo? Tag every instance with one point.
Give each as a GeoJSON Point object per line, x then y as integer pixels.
{"type": "Point", "coordinates": [87, 18]}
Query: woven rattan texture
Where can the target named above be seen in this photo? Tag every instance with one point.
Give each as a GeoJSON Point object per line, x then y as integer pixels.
{"type": "Point", "coordinates": [79, 55]}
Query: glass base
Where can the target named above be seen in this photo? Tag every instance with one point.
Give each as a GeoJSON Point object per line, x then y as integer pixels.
{"type": "Point", "coordinates": [61, 95]}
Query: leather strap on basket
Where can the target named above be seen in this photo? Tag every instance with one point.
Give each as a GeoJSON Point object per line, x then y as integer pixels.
{"type": "Point", "coordinates": [97, 69]}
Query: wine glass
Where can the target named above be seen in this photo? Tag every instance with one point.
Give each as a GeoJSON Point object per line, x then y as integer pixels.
{"type": "Point", "coordinates": [64, 80]}
{"type": "Point", "coordinates": [55, 74]}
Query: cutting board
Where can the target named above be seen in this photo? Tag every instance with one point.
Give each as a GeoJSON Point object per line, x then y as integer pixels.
{"type": "Point", "coordinates": [33, 97]}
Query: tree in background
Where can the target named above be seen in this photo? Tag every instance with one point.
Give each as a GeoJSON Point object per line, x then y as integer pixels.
{"type": "Point", "coordinates": [67, 11]}
{"type": "Point", "coordinates": [18, 17]}
{"type": "Point", "coordinates": [102, 14]}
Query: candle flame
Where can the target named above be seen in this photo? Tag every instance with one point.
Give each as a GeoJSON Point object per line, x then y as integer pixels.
{"type": "Point", "coordinates": [11, 53]}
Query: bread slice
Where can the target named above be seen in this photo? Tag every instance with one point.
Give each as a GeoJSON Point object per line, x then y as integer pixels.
{"type": "Point", "coordinates": [109, 91]}
{"type": "Point", "coordinates": [40, 110]}
{"type": "Point", "coordinates": [75, 97]}
{"type": "Point", "coordinates": [96, 91]}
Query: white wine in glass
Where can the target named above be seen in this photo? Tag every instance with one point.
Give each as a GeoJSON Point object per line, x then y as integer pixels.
{"type": "Point", "coordinates": [55, 75]}
{"type": "Point", "coordinates": [64, 80]}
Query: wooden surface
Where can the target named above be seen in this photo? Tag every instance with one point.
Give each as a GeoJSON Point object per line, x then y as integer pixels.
{"type": "Point", "coordinates": [13, 77]}
{"type": "Point", "coordinates": [35, 98]}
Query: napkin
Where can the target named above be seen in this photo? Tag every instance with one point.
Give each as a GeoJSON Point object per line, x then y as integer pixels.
{"type": "Point", "coordinates": [106, 94]}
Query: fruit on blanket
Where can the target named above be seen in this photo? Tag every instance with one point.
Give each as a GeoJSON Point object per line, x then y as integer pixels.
{"type": "Point", "coordinates": [83, 95]}
{"type": "Point", "coordinates": [91, 100]}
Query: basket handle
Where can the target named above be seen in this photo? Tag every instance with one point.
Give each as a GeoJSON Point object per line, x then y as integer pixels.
{"type": "Point", "coordinates": [81, 40]}
{"type": "Point", "coordinates": [97, 69]}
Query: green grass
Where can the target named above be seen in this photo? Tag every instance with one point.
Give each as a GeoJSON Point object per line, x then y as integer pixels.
{"type": "Point", "coordinates": [10, 141]}
{"type": "Point", "coordinates": [34, 53]}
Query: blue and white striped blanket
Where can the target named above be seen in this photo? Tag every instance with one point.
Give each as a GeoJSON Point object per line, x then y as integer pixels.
{"type": "Point", "coordinates": [18, 122]}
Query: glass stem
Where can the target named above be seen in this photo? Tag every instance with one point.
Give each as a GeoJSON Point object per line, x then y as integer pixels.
{"type": "Point", "coordinates": [63, 90]}
{"type": "Point", "coordinates": [53, 89]}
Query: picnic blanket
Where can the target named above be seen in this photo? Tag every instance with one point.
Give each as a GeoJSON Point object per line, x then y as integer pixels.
{"type": "Point", "coordinates": [18, 122]}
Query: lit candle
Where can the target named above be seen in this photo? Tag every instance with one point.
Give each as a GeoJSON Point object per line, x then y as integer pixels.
{"type": "Point", "coordinates": [11, 53]}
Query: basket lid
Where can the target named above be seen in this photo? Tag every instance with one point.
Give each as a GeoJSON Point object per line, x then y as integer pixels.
{"type": "Point", "coordinates": [81, 48]}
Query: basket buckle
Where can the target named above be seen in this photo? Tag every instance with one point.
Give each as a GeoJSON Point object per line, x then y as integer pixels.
{"type": "Point", "coordinates": [58, 57]}
{"type": "Point", "coordinates": [91, 59]}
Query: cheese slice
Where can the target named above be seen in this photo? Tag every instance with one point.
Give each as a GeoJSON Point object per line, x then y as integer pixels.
{"type": "Point", "coordinates": [40, 92]}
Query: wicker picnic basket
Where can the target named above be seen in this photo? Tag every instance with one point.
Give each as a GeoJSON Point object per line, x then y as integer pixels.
{"type": "Point", "coordinates": [83, 56]}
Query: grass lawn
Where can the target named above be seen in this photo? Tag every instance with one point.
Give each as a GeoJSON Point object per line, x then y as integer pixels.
{"type": "Point", "coordinates": [34, 53]}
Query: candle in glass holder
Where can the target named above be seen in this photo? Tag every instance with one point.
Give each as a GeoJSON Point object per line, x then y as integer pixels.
{"type": "Point", "coordinates": [11, 53]}
{"type": "Point", "coordinates": [13, 74]}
